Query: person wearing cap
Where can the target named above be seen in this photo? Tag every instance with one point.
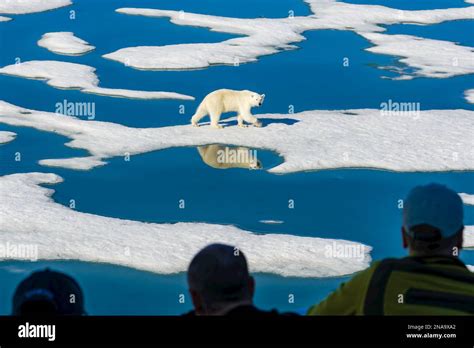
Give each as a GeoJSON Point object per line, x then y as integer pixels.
{"type": "Point", "coordinates": [432, 280]}
{"type": "Point", "coordinates": [48, 293]}
{"type": "Point", "coordinates": [220, 284]}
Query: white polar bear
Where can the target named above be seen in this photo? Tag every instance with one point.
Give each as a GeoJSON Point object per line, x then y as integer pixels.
{"type": "Point", "coordinates": [225, 100]}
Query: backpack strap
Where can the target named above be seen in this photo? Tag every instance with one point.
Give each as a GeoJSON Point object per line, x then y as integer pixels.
{"type": "Point", "coordinates": [375, 296]}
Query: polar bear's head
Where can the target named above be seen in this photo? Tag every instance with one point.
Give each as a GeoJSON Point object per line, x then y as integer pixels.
{"type": "Point", "coordinates": [256, 99]}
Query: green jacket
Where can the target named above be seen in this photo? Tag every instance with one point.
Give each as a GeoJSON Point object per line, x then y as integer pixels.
{"type": "Point", "coordinates": [407, 286]}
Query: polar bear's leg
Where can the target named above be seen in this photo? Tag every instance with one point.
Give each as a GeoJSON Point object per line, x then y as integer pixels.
{"type": "Point", "coordinates": [248, 117]}
{"type": "Point", "coordinates": [200, 113]}
{"type": "Point", "coordinates": [240, 121]}
{"type": "Point", "coordinates": [215, 117]}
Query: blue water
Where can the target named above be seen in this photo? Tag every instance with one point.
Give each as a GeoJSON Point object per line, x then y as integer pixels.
{"type": "Point", "coordinates": [412, 5]}
{"type": "Point", "coordinates": [454, 31]}
{"type": "Point", "coordinates": [115, 290]}
{"type": "Point", "coordinates": [353, 204]}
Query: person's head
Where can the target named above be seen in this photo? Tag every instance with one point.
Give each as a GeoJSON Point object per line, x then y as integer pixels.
{"type": "Point", "coordinates": [48, 293]}
{"type": "Point", "coordinates": [219, 279]}
{"type": "Point", "coordinates": [433, 221]}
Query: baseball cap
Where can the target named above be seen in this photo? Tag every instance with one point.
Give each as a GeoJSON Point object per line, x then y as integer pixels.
{"type": "Point", "coordinates": [435, 205]}
{"type": "Point", "coordinates": [48, 292]}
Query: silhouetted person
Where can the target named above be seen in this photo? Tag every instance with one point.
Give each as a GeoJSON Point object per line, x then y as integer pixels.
{"type": "Point", "coordinates": [48, 293]}
{"type": "Point", "coordinates": [432, 280]}
{"type": "Point", "coordinates": [220, 283]}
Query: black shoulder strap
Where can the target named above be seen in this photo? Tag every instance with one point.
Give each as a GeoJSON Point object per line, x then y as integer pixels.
{"type": "Point", "coordinates": [375, 296]}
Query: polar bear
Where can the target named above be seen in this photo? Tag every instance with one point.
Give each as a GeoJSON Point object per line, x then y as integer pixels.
{"type": "Point", "coordinates": [225, 100]}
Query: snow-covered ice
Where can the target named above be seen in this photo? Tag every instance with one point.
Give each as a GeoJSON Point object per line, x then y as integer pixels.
{"type": "Point", "coordinates": [467, 198]}
{"type": "Point", "coordinates": [6, 137]}
{"type": "Point", "coordinates": [29, 216]}
{"type": "Point", "coordinates": [271, 222]}
{"type": "Point", "coordinates": [469, 95]}
{"type": "Point", "coordinates": [77, 163]}
{"type": "Point", "coordinates": [363, 18]}
{"type": "Point", "coordinates": [430, 58]}
{"type": "Point", "coordinates": [78, 76]}
{"type": "Point", "coordinates": [263, 36]}
{"type": "Point", "coordinates": [468, 237]}
{"type": "Point", "coordinates": [433, 140]}
{"type": "Point", "coordinates": [65, 43]}
{"type": "Point", "coordinates": [30, 6]}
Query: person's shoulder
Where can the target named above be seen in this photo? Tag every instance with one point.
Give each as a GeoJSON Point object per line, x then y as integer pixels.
{"type": "Point", "coordinates": [367, 272]}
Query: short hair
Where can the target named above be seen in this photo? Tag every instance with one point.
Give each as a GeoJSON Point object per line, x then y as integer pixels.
{"type": "Point", "coordinates": [219, 273]}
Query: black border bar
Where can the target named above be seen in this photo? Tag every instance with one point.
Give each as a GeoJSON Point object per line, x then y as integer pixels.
{"type": "Point", "coordinates": [287, 330]}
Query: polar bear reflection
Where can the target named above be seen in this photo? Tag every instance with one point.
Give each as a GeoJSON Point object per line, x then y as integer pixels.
{"type": "Point", "coordinates": [223, 157]}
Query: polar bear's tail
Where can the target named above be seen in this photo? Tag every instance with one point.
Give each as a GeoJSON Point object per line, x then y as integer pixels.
{"type": "Point", "coordinates": [201, 111]}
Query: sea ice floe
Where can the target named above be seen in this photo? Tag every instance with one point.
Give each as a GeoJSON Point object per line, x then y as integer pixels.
{"type": "Point", "coordinates": [468, 237]}
{"type": "Point", "coordinates": [430, 58]}
{"type": "Point", "coordinates": [6, 137]}
{"type": "Point", "coordinates": [65, 43]}
{"type": "Point", "coordinates": [78, 76]}
{"type": "Point", "coordinates": [469, 95]}
{"type": "Point", "coordinates": [364, 18]}
{"type": "Point", "coordinates": [28, 216]}
{"type": "Point", "coordinates": [271, 222]}
{"type": "Point", "coordinates": [77, 163]}
{"type": "Point", "coordinates": [430, 140]}
{"type": "Point", "coordinates": [467, 198]}
{"type": "Point", "coordinates": [30, 6]}
{"type": "Point", "coordinates": [263, 36]}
